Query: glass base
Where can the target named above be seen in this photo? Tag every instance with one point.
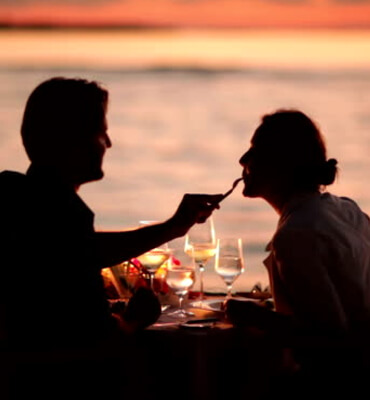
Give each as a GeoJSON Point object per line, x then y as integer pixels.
{"type": "Point", "coordinates": [180, 313]}
{"type": "Point", "coordinates": [165, 307]}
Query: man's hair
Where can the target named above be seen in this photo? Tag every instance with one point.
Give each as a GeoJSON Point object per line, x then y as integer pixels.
{"type": "Point", "coordinates": [60, 109]}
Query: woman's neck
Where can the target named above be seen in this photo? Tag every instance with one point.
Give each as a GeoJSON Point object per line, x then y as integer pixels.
{"type": "Point", "coordinates": [278, 201]}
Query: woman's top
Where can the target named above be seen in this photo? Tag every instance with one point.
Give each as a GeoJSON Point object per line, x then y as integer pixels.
{"type": "Point", "coordinates": [319, 262]}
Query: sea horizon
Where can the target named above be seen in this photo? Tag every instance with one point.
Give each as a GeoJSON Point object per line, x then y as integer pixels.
{"type": "Point", "coordinates": [115, 49]}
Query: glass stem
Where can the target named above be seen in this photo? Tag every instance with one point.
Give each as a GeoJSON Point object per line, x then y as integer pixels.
{"type": "Point", "coordinates": [229, 287]}
{"type": "Point", "coordinates": [201, 270]}
{"type": "Point", "coordinates": [152, 281]}
{"type": "Point", "coordinates": [181, 298]}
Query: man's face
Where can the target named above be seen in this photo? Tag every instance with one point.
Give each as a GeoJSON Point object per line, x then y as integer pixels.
{"type": "Point", "coordinates": [87, 153]}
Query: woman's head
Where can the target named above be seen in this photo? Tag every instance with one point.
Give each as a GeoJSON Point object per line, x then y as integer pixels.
{"type": "Point", "coordinates": [287, 154]}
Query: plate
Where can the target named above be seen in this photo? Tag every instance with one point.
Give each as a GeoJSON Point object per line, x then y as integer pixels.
{"type": "Point", "coordinates": [208, 304]}
{"type": "Point", "coordinates": [216, 304]}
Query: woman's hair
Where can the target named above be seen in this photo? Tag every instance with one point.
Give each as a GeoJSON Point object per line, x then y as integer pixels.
{"type": "Point", "coordinates": [300, 146]}
{"type": "Point", "coordinates": [61, 108]}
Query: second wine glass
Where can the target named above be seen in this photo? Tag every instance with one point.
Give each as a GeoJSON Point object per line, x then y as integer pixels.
{"type": "Point", "coordinates": [180, 276]}
{"type": "Point", "coordinates": [200, 242]}
{"type": "Point", "coordinates": [229, 263]}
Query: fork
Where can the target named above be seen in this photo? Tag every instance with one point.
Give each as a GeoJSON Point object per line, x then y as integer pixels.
{"type": "Point", "coordinates": [235, 184]}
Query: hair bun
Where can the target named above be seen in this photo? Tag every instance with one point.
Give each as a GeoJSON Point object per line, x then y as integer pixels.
{"type": "Point", "coordinates": [328, 172]}
{"type": "Point", "coordinates": [332, 162]}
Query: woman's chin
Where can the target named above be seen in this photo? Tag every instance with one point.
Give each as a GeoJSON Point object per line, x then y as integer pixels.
{"type": "Point", "coordinates": [249, 192]}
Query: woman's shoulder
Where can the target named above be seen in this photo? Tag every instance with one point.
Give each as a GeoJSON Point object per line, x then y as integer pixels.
{"type": "Point", "coordinates": [323, 218]}
{"type": "Point", "coordinates": [344, 209]}
{"type": "Point", "coordinates": [321, 209]}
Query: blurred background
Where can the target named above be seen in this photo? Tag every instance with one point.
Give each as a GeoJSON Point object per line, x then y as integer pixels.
{"type": "Point", "coordinates": [189, 81]}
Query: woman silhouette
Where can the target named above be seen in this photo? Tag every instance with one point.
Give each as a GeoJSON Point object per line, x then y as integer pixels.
{"type": "Point", "coordinates": [319, 261]}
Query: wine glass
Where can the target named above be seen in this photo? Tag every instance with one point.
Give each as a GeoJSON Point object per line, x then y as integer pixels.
{"type": "Point", "coordinates": [229, 262]}
{"type": "Point", "coordinates": [200, 242]}
{"type": "Point", "coordinates": [153, 259]}
{"type": "Point", "coordinates": [180, 277]}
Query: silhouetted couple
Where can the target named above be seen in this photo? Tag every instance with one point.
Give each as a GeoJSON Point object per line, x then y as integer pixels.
{"type": "Point", "coordinates": [52, 294]}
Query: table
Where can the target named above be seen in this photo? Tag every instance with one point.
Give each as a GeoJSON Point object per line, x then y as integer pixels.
{"type": "Point", "coordinates": [167, 362]}
{"type": "Point", "coordinates": [159, 363]}
{"type": "Point", "coordinates": [217, 362]}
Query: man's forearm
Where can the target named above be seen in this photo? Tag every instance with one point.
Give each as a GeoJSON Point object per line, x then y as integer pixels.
{"type": "Point", "coordinates": [116, 247]}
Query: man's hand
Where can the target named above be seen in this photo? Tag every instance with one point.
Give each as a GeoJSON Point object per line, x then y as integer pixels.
{"type": "Point", "coordinates": [194, 208]}
{"type": "Point", "coordinates": [143, 309]}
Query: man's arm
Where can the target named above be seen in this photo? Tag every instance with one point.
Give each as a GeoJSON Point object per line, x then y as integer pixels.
{"type": "Point", "coordinates": [142, 310]}
{"type": "Point", "coordinates": [115, 247]}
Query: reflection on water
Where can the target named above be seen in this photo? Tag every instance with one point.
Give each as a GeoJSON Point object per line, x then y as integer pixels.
{"type": "Point", "coordinates": [177, 131]}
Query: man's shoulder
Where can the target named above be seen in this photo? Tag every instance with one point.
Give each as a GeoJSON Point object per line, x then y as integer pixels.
{"type": "Point", "coordinates": [12, 185]}
{"type": "Point", "coordinates": [12, 177]}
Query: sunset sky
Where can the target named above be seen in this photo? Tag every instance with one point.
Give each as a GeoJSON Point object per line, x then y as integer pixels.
{"type": "Point", "coordinates": [190, 13]}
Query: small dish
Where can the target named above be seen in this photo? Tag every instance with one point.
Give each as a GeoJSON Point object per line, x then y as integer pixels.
{"type": "Point", "coordinates": [208, 304]}
{"type": "Point", "coordinates": [216, 304]}
{"type": "Point", "coordinates": [197, 326]}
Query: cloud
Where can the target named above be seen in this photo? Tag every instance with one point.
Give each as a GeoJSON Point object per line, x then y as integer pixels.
{"type": "Point", "coordinates": [351, 1]}
{"type": "Point", "coordinates": [288, 1]}
{"type": "Point", "coordinates": [48, 2]}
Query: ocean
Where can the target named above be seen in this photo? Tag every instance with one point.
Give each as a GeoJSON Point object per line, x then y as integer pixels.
{"type": "Point", "coordinates": [179, 121]}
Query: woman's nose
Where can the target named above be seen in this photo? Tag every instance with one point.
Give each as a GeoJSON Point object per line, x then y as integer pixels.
{"type": "Point", "coordinates": [244, 159]}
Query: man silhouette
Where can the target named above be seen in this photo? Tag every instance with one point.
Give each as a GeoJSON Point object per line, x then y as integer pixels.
{"type": "Point", "coordinates": [51, 292]}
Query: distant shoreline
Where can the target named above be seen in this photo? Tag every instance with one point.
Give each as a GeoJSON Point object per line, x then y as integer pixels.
{"type": "Point", "coordinates": [133, 27]}
{"type": "Point", "coordinates": [196, 50]}
{"type": "Point", "coordinates": [163, 27]}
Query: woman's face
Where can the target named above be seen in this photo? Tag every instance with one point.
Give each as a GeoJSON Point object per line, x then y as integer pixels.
{"type": "Point", "coordinates": [261, 168]}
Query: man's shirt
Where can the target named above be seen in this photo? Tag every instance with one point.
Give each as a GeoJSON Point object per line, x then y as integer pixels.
{"type": "Point", "coordinates": [51, 286]}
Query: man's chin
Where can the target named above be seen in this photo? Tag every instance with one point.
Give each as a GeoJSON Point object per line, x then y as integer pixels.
{"type": "Point", "coordinates": [96, 176]}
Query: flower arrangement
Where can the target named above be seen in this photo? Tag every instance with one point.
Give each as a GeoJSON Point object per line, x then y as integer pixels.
{"type": "Point", "coordinates": [122, 280]}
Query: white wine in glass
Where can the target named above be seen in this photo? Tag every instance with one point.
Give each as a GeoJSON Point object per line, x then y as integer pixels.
{"type": "Point", "coordinates": [152, 260]}
{"type": "Point", "coordinates": [180, 277]}
{"type": "Point", "coordinates": [229, 263]}
{"type": "Point", "coordinates": [200, 243]}
{"type": "Point", "coordinates": [180, 280]}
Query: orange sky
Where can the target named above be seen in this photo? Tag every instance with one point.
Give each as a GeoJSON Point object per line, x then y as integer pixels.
{"type": "Point", "coordinates": [194, 13]}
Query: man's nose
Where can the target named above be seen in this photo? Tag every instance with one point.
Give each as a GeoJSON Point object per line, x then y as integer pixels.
{"type": "Point", "coordinates": [108, 142]}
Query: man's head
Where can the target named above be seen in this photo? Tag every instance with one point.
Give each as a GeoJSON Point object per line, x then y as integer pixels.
{"type": "Point", "coordinates": [64, 126]}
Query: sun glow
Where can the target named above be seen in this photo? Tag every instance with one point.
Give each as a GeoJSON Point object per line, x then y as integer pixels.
{"type": "Point", "coordinates": [201, 13]}
{"type": "Point", "coordinates": [206, 48]}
